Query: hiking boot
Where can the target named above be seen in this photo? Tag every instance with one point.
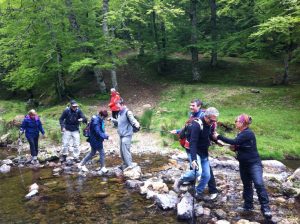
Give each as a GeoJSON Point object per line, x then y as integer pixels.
{"type": "Point", "coordinates": [177, 184]}
{"type": "Point", "coordinates": [267, 213]}
{"type": "Point", "coordinates": [199, 196]}
{"type": "Point", "coordinates": [244, 209]}
{"type": "Point", "coordinates": [212, 197]}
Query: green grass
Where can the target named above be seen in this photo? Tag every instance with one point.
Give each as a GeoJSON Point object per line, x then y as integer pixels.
{"type": "Point", "coordinates": [275, 113]}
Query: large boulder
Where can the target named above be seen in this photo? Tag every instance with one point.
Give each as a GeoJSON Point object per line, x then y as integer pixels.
{"type": "Point", "coordinates": [185, 207]}
{"type": "Point", "coordinates": [133, 173]}
{"type": "Point", "coordinates": [166, 201]}
{"type": "Point", "coordinates": [274, 166]}
{"type": "Point", "coordinates": [133, 184]}
{"type": "Point", "coordinates": [228, 164]}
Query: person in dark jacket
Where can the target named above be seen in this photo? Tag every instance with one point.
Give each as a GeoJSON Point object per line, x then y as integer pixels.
{"type": "Point", "coordinates": [69, 122]}
{"type": "Point", "coordinates": [196, 112]}
{"type": "Point", "coordinates": [251, 169]}
{"type": "Point", "coordinates": [32, 127]}
{"type": "Point", "coordinates": [97, 136]}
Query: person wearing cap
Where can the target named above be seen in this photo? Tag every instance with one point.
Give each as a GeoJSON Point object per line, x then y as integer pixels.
{"type": "Point", "coordinates": [124, 122]}
{"type": "Point", "coordinates": [115, 97]}
{"type": "Point", "coordinates": [196, 112]}
{"type": "Point", "coordinates": [32, 127]}
{"type": "Point", "coordinates": [251, 170]}
{"type": "Point", "coordinates": [97, 136]}
{"type": "Point", "coordinates": [69, 122]}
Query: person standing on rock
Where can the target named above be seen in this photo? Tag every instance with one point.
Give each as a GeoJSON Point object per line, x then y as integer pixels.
{"type": "Point", "coordinates": [196, 112]}
{"type": "Point", "coordinates": [69, 122]}
{"type": "Point", "coordinates": [97, 136]}
{"type": "Point", "coordinates": [199, 144]}
{"type": "Point", "coordinates": [32, 127]}
{"type": "Point", "coordinates": [125, 123]}
{"type": "Point", "coordinates": [115, 97]}
{"type": "Point", "coordinates": [251, 170]}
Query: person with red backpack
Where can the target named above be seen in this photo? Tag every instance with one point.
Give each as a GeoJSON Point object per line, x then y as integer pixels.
{"type": "Point", "coordinates": [184, 137]}
{"type": "Point", "coordinates": [115, 97]}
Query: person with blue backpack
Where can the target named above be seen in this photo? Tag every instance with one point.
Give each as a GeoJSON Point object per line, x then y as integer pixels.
{"type": "Point", "coordinates": [32, 127]}
{"type": "Point", "coordinates": [69, 122]}
{"type": "Point", "coordinates": [196, 113]}
{"type": "Point", "coordinates": [96, 136]}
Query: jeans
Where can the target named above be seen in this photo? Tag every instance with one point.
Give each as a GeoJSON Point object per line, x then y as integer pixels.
{"type": "Point", "coordinates": [212, 187]}
{"type": "Point", "coordinates": [92, 153]}
{"type": "Point", "coordinates": [33, 143]}
{"type": "Point", "coordinates": [66, 139]}
{"type": "Point", "coordinates": [252, 173]}
{"type": "Point", "coordinates": [204, 171]}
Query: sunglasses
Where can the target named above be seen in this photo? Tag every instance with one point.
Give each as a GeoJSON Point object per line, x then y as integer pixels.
{"type": "Point", "coordinates": [212, 120]}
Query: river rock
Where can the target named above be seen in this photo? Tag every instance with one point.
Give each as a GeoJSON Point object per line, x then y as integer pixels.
{"type": "Point", "coordinates": [222, 222]}
{"type": "Point", "coordinates": [7, 162]}
{"type": "Point", "coordinates": [185, 207]}
{"type": "Point", "coordinates": [133, 172]}
{"type": "Point", "coordinates": [274, 166]}
{"type": "Point", "coordinates": [48, 155]}
{"type": "Point", "coordinates": [199, 210]}
{"type": "Point", "coordinates": [4, 168]}
{"type": "Point", "coordinates": [206, 211]}
{"type": "Point", "coordinates": [114, 172]}
{"type": "Point", "coordinates": [4, 139]}
{"type": "Point", "coordinates": [133, 183]}
{"type": "Point", "coordinates": [147, 106]}
{"type": "Point", "coordinates": [245, 221]}
{"type": "Point", "coordinates": [229, 164]}
{"type": "Point", "coordinates": [170, 175]}
{"type": "Point", "coordinates": [31, 194]}
{"type": "Point", "coordinates": [295, 176]}
{"type": "Point", "coordinates": [58, 169]}
{"type": "Point", "coordinates": [34, 187]}
{"type": "Point", "coordinates": [220, 214]}
{"type": "Point", "coordinates": [166, 201]}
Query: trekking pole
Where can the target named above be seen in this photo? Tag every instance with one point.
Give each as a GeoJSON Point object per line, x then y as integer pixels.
{"type": "Point", "coordinates": [195, 190]}
{"type": "Point", "coordinates": [20, 149]}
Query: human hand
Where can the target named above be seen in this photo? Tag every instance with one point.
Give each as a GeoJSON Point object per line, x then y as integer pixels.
{"type": "Point", "coordinates": [109, 118]}
{"type": "Point", "coordinates": [174, 132]}
{"type": "Point", "coordinates": [232, 148]}
{"type": "Point", "coordinates": [220, 143]}
{"type": "Point", "coordinates": [80, 119]}
{"type": "Point", "coordinates": [195, 165]}
{"type": "Point", "coordinates": [215, 135]}
{"type": "Point", "coordinates": [63, 129]}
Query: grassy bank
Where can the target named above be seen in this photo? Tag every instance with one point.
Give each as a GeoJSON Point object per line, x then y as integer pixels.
{"type": "Point", "coordinates": [275, 109]}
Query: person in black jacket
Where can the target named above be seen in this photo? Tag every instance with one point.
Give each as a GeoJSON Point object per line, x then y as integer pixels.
{"type": "Point", "coordinates": [69, 122]}
{"type": "Point", "coordinates": [251, 169]}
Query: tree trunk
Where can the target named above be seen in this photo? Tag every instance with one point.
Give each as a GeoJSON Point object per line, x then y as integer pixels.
{"type": "Point", "coordinates": [113, 72]}
{"type": "Point", "coordinates": [141, 40]}
{"type": "Point", "coordinates": [100, 80]}
{"type": "Point", "coordinates": [213, 24]}
{"type": "Point", "coordinates": [60, 83]}
{"type": "Point", "coordinates": [158, 48]}
{"type": "Point", "coordinates": [194, 50]}
{"type": "Point", "coordinates": [163, 62]}
{"type": "Point", "coordinates": [286, 60]}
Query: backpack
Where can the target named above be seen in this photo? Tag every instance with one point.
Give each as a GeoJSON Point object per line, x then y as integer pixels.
{"type": "Point", "coordinates": [185, 132]}
{"type": "Point", "coordinates": [134, 128]}
{"type": "Point", "coordinates": [87, 130]}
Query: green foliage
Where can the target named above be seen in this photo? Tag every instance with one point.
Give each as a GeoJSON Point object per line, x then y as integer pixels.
{"type": "Point", "coordinates": [146, 119]}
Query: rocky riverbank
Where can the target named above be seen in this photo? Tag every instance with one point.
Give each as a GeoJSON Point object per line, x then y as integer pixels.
{"type": "Point", "coordinates": [156, 183]}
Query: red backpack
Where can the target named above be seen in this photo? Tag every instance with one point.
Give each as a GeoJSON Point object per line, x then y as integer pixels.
{"type": "Point", "coordinates": [186, 131]}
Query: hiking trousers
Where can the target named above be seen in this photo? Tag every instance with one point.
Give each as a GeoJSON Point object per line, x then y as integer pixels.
{"type": "Point", "coordinates": [125, 144]}
{"type": "Point", "coordinates": [34, 144]}
{"type": "Point", "coordinates": [92, 153]}
{"type": "Point", "coordinates": [74, 137]}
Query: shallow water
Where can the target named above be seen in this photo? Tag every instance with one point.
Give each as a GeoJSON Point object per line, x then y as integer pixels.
{"type": "Point", "coordinates": [73, 199]}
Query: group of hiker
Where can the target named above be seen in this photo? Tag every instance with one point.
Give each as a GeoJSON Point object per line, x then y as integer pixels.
{"type": "Point", "coordinates": [196, 136]}
{"type": "Point", "coordinates": [70, 121]}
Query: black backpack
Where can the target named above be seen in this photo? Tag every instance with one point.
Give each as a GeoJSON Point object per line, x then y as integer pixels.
{"type": "Point", "coordinates": [134, 128]}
